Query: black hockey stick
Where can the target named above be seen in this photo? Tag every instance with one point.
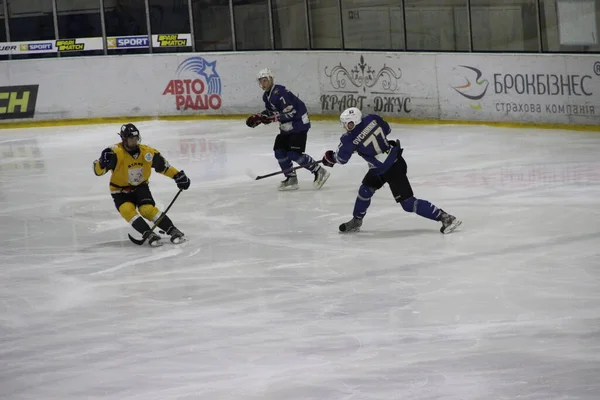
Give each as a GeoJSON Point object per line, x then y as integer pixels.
{"type": "Point", "coordinates": [144, 238]}
{"type": "Point", "coordinates": [285, 171]}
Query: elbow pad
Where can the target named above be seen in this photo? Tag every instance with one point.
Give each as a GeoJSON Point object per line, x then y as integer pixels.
{"type": "Point", "coordinates": [159, 163]}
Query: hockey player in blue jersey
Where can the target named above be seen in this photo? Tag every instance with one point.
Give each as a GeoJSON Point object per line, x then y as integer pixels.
{"type": "Point", "coordinates": [368, 137]}
{"type": "Point", "coordinates": [284, 107]}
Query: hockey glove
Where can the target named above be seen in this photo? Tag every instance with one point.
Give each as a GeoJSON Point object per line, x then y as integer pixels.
{"type": "Point", "coordinates": [396, 143]}
{"type": "Point", "coordinates": [267, 119]}
{"type": "Point", "coordinates": [329, 158]}
{"type": "Point", "coordinates": [253, 121]}
{"type": "Point", "coordinates": [108, 159]}
{"type": "Point", "coordinates": [183, 182]}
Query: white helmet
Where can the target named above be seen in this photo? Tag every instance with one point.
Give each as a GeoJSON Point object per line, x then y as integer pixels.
{"type": "Point", "coordinates": [351, 114]}
{"type": "Point", "coordinates": [265, 73]}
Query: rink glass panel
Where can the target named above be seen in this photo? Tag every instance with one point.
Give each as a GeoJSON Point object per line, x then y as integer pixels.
{"type": "Point", "coordinates": [3, 33]}
{"type": "Point", "coordinates": [554, 17]}
{"type": "Point", "coordinates": [252, 27]}
{"type": "Point", "coordinates": [212, 25]}
{"type": "Point", "coordinates": [30, 20]}
{"type": "Point", "coordinates": [437, 25]}
{"type": "Point", "coordinates": [290, 24]}
{"type": "Point", "coordinates": [325, 24]}
{"type": "Point", "coordinates": [125, 18]}
{"type": "Point", "coordinates": [169, 17]}
{"type": "Point", "coordinates": [532, 26]}
{"type": "Point", "coordinates": [505, 25]}
{"type": "Point", "coordinates": [81, 22]}
{"type": "Point", "coordinates": [377, 25]}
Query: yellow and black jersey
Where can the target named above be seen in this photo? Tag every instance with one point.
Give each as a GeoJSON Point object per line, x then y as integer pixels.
{"type": "Point", "coordinates": [134, 170]}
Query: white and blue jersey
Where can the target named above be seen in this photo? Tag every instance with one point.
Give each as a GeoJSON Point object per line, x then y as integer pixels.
{"type": "Point", "coordinates": [369, 140]}
{"type": "Point", "coordinates": [291, 111]}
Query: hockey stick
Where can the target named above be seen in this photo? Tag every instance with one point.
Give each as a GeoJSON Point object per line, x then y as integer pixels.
{"type": "Point", "coordinates": [144, 238]}
{"type": "Point", "coordinates": [285, 171]}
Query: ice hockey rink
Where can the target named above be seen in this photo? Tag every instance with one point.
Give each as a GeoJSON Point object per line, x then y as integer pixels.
{"type": "Point", "coordinates": [268, 301]}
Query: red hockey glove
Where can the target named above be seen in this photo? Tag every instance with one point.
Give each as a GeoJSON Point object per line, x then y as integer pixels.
{"type": "Point", "coordinates": [253, 121]}
{"type": "Point", "coordinates": [329, 158]}
{"type": "Point", "coordinates": [267, 119]}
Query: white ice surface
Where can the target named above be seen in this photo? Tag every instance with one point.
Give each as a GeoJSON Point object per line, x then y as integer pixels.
{"type": "Point", "coordinates": [268, 301]}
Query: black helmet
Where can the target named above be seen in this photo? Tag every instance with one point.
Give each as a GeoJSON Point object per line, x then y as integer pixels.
{"type": "Point", "coordinates": [129, 130]}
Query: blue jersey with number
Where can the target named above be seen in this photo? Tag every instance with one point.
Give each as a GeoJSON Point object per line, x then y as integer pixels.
{"type": "Point", "coordinates": [292, 113]}
{"type": "Point", "coordinates": [369, 140]}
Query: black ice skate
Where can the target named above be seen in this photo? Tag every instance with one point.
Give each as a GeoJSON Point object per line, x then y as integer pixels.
{"type": "Point", "coordinates": [449, 222]}
{"type": "Point", "coordinates": [153, 239]}
{"type": "Point", "coordinates": [321, 176]}
{"type": "Point", "coordinates": [177, 236]}
{"type": "Point", "coordinates": [351, 226]}
{"type": "Point", "coordinates": [290, 183]}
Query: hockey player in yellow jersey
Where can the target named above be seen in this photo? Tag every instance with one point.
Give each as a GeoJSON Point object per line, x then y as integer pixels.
{"type": "Point", "coordinates": [131, 164]}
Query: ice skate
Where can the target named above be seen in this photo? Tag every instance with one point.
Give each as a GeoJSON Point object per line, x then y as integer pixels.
{"type": "Point", "coordinates": [449, 222]}
{"type": "Point", "coordinates": [153, 239]}
{"type": "Point", "coordinates": [351, 226]}
{"type": "Point", "coordinates": [321, 176]}
{"type": "Point", "coordinates": [290, 183]}
{"type": "Point", "coordinates": [177, 236]}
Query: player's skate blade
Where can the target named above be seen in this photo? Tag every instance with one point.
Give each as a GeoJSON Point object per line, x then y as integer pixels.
{"type": "Point", "coordinates": [177, 237]}
{"type": "Point", "coordinates": [321, 177]}
{"type": "Point", "coordinates": [290, 183]}
{"type": "Point", "coordinates": [153, 239]}
{"type": "Point", "coordinates": [179, 240]}
{"type": "Point", "coordinates": [175, 240]}
{"type": "Point", "coordinates": [351, 226]}
{"type": "Point", "coordinates": [449, 223]}
{"type": "Point", "coordinates": [450, 228]}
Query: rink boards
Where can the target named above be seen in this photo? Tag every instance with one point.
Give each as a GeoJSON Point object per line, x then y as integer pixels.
{"type": "Point", "coordinates": [513, 88]}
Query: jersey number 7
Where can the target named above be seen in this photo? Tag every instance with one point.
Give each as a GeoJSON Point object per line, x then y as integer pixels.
{"type": "Point", "coordinates": [377, 139]}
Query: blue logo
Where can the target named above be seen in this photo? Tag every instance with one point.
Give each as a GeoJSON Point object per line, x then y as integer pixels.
{"type": "Point", "coordinates": [205, 69]}
{"type": "Point", "coordinates": [40, 46]}
{"type": "Point", "coordinates": [197, 87]}
{"type": "Point", "coordinates": [132, 42]}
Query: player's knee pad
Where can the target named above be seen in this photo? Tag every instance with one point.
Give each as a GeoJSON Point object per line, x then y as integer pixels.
{"type": "Point", "coordinates": [409, 205]}
{"type": "Point", "coordinates": [127, 211]}
{"type": "Point", "coordinates": [365, 192]}
{"type": "Point", "coordinates": [149, 211]}
{"type": "Point", "coordinates": [281, 154]}
{"type": "Point", "coordinates": [296, 156]}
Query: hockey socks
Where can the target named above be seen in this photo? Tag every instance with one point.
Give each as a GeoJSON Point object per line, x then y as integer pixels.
{"type": "Point", "coordinates": [421, 207]}
{"type": "Point", "coordinates": [304, 159]}
{"type": "Point", "coordinates": [139, 224]}
{"type": "Point", "coordinates": [283, 160]}
{"type": "Point", "coordinates": [363, 201]}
